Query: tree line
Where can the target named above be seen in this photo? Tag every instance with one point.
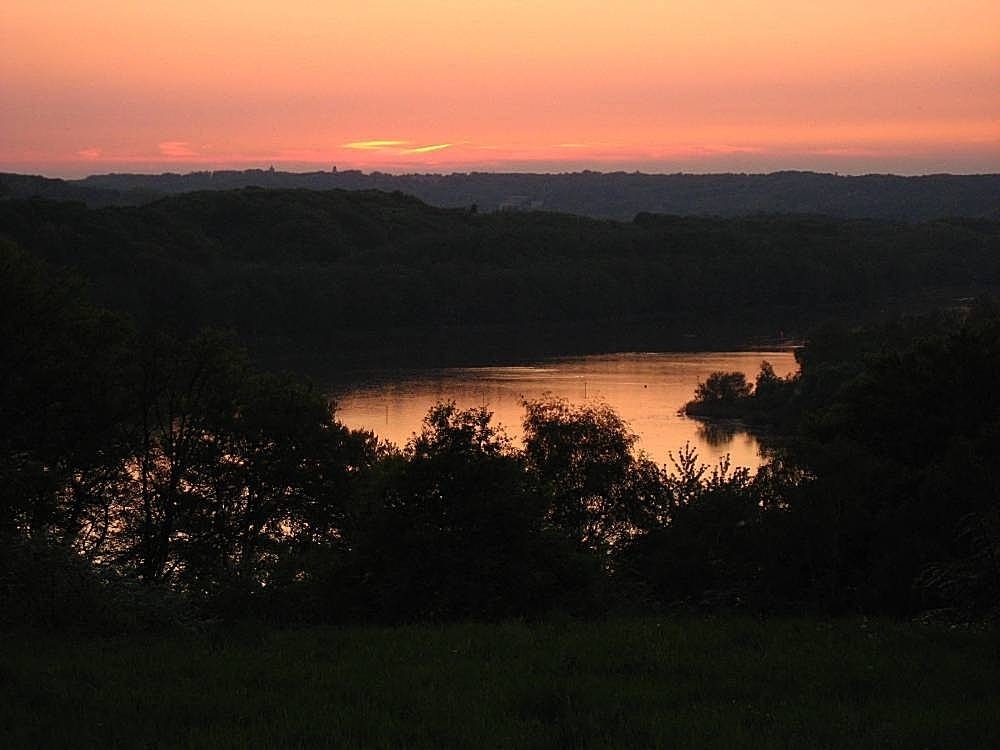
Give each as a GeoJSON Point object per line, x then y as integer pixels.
{"type": "Point", "coordinates": [615, 195]}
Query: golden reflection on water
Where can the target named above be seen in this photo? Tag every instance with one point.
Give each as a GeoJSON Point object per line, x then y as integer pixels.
{"type": "Point", "coordinates": [646, 389]}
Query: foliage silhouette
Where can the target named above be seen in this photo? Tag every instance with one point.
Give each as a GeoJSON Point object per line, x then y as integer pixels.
{"type": "Point", "coordinates": [143, 461]}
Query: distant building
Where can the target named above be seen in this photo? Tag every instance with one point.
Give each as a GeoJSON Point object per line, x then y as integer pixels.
{"type": "Point", "coordinates": [519, 203]}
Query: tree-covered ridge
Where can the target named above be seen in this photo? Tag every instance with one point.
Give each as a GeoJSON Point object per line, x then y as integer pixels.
{"type": "Point", "coordinates": [340, 266]}
{"type": "Point", "coordinates": [617, 195]}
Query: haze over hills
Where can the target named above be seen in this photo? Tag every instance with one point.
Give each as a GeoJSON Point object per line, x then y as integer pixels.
{"type": "Point", "coordinates": [616, 195]}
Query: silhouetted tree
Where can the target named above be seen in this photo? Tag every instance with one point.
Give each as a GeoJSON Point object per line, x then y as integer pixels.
{"type": "Point", "coordinates": [458, 529]}
{"type": "Point", "coordinates": [599, 492]}
{"type": "Point", "coordinates": [723, 386]}
{"type": "Point", "coordinates": [63, 367]}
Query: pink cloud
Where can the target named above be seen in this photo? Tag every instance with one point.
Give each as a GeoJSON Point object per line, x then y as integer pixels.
{"type": "Point", "coordinates": [176, 149]}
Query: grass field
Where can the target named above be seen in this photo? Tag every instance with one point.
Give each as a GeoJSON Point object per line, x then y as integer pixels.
{"type": "Point", "coordinates": [669, 682]}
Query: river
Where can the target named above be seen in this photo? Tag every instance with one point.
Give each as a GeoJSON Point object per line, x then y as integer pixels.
{"type": "Point", "coordinates": [646, 389]}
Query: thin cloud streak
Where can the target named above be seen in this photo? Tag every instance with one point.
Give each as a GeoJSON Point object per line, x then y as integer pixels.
{"type": "Point", "coordinates": [374, 145]}
{"type": "Point", "coordinates": [427, 149]}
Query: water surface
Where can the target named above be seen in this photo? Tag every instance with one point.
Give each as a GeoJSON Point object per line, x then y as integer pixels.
{"type": "Point", "coordinates": [646, 389]}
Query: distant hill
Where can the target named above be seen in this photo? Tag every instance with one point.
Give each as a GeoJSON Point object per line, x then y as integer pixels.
{"type": "Point", "coordinates": [348, 276]}
{"type": "Point", "coordinates": [617, 195]}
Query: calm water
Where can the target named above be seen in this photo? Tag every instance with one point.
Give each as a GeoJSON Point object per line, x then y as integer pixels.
{"type": "Point", "coordinates": [645, 389]}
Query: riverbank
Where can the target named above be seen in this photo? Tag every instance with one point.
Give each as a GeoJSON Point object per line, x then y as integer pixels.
{"type": "Point", "coordinates": [352, 354]}
{"type": "Point", "coordinates": [721, 682]}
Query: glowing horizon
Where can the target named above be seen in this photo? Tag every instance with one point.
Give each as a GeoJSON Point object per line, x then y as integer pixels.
{"type": "Point", "coordinates": [437, 85]}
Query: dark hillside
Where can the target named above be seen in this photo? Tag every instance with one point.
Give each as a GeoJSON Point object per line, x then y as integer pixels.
{"type": "Point", "coordinates": [356, 272]}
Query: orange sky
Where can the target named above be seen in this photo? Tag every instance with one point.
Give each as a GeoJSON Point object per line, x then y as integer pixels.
{"type": "Point", "coordinates": [440, 85]}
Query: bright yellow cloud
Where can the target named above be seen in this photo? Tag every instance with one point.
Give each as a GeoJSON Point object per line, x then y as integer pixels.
{"type": "Point", "coordinates": [426, 149]}
{"type": "Point", "coordinates": [374, 145]}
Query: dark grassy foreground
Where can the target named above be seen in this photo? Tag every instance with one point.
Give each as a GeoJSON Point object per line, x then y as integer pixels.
{"type": "Point", "coordinates": [672, 682]}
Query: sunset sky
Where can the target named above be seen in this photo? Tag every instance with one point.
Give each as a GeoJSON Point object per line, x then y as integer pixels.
{"type": "Point", "coordinates": [89, 86]}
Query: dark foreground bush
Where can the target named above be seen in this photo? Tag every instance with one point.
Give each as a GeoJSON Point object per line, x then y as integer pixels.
{"type": "Point", "coordinates": [47, 586]}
